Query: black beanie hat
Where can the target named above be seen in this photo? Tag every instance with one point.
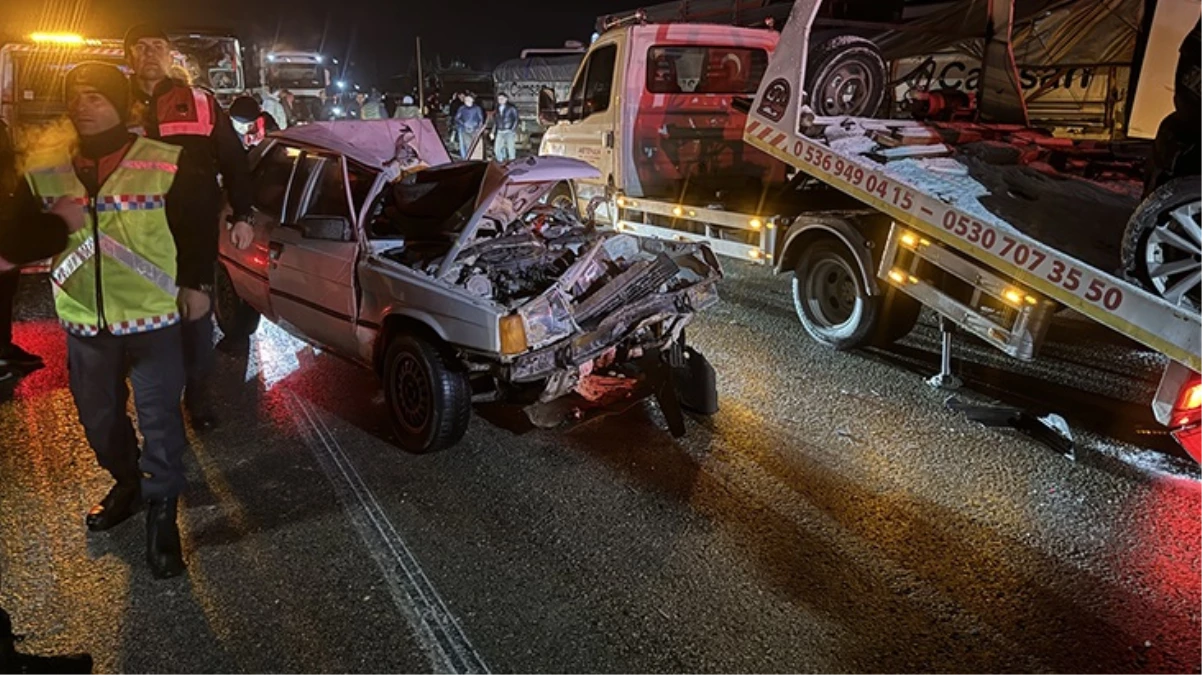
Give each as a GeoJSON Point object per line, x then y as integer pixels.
{"type": "Point", "coordinates": [108, 80]}
{"type": "Point", "coordinates": [245, 109]}
{"type": "Point", "coordinates": [144, 30]}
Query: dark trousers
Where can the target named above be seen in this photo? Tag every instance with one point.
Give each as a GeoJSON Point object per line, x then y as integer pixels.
{"type": "Point", "coordinates": [8, 295]}
{"type": "Point", "coordinates": [199, 356]}
{"type": "Point", "coordinates": [153, 362]}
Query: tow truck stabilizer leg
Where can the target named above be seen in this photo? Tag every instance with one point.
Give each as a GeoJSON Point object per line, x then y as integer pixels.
{"type": "Point", "coordinates": [946, 379]}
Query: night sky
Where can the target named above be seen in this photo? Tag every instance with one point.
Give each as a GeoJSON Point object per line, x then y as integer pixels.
{"type": "Point", "coordinates": [377, 34]}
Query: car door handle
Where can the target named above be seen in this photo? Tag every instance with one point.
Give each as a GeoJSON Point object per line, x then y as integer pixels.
{"type": "Point", "coordinates": [607, 139]}
{"type": "Point", "coordinates": [274, 249]}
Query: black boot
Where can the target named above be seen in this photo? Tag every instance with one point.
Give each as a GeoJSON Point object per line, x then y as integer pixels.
{"type": "Point", "coordinates": [200, 408]}
{"type": "Point", "coordinates": [122, 501]}
{"type": "Point", "coordinates": [163, 552]}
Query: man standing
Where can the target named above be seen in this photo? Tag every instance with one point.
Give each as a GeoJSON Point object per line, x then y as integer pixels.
{"type": "Point", "coordinates": [173, 112]}
{"type": "Point", "coordinates": [372, 108]}
{"type": "Point", "coordinates": [13, 359]}
{"type": "Point", "coordinates": [132, 269]}
{"type": "Point", "coordinates": [507, 121]}
{"type": "Point", "coordinates": [468, 120]}
{"type": "Point", "coordinates": [273, 105]}
{"type": "Point", "coordinates": [407, 110]}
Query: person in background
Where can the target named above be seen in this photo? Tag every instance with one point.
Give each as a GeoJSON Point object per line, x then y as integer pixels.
{"type": "Point", "coordinates": [389, 101]}
{"type": "Point", "coordinates": [273, 106]}
{"type": "Point", "coordinates": [288, 101]}
{"type": "Point", "coordinates": [251, 122]}
{"type": "Point", "coordinates": [354, 107]}
{"type": "Point", "coordinates": [125, 279]}
{"type": "Point", "coordinates": [505, 121]}
{"type": "Point", "coordinates": [189, 117]}
{"type": "Point", "coordinates": [13, 359]}
{"type": "Point", "coordinates": [327, 107]}
{"type": "Point", "coordinates": [372, 108]}
{"type": "Point", "coordinates": [468, 120]}
{"type": "Point", "coordinates": [407, 110]}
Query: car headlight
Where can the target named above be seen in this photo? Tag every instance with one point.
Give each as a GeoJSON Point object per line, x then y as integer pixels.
{"type": "Point", "coordinates": [546, 319]}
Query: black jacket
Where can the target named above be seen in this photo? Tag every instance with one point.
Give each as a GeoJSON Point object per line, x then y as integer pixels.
{"type": "Point", "coordinates": [28, 234]}
{"type": "Point", "coordinates": [190, 118]}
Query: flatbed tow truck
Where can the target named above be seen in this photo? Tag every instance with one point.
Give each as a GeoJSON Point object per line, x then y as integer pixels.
{"type": "Point", "coordinates": [944, 249]}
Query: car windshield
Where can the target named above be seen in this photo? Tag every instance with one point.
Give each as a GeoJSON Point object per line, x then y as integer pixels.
{"type": "Point", "coordinates": [432, 204]}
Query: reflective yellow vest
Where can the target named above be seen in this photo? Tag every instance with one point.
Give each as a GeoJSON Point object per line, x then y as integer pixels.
{"type": "Point", "coordinates": [118, 273]}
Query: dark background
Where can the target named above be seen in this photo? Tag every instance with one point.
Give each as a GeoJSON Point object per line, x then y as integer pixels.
{"type": "Point", "coordinates": [375, 36]}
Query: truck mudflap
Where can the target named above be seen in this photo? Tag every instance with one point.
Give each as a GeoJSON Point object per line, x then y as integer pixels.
{"type": "Point", "coordinates": [937, 205]}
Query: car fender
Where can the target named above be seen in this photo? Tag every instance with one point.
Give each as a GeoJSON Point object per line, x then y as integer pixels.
{"type": "Point", "coordinates": [805, 230]}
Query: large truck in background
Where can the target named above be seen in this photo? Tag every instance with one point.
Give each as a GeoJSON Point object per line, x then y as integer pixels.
{"type": "Point", "coordinates": [524, 78]}
{"type": "Point", "coordinates": [304, 73]}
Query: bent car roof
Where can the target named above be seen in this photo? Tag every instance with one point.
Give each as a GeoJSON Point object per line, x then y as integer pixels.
{"type": "Point", "coordinates": [371, 142]}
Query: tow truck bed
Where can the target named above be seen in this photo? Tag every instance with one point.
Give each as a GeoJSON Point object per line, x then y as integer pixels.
{"type": "Point", "coordinates": [939, 199]}
{"type": "Point", "coordinates": [949, 224]}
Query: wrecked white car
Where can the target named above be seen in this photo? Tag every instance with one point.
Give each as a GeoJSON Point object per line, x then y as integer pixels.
{"type": "Point", "coordinates": [457, 283]}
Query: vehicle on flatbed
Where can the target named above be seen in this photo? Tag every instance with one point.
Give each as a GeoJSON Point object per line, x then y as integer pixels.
{"type": "Point", "coordinates": [975, 222]}
{"type": "Point", "coordinates": [455, 282]}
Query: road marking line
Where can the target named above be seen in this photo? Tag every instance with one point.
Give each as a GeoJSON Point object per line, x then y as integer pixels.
{"type": "Point", "coordinates": [435, 627]}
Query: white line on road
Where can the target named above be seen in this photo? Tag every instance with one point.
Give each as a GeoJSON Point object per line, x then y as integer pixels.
{"type": "Point", "coordinates": [435, 628]}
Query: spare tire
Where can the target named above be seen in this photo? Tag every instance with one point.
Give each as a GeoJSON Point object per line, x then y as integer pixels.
{"type": "Point", "coordinates": [845, 75]}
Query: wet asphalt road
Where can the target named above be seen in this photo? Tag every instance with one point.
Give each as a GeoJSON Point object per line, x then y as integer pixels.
{"type": "Point", "coordinates": [834, 516]}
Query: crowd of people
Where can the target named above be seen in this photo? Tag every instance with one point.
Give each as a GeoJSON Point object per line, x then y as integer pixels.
{"type": "Point", "coordinates": [254, 116]}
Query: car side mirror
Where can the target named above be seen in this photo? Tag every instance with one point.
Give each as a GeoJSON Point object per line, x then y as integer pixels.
{"type": "Point", "coordinates": [325, 228]}
{"type": "Point", "coordinates": [548, 113]}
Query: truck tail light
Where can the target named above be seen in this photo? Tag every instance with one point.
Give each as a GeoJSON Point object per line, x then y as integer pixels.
{"type": "Point", "coordinates": [1186, 416]}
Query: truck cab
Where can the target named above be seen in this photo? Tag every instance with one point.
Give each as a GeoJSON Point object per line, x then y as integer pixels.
{"type": "Point", "coordinates": [650, 108]}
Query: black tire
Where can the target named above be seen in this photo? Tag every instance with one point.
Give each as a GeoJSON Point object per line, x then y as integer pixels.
{"type": "Point", "coordinates": [429, 398]}
{"type": "Point", "coordinates": [236, 319]}
{"type": "Point", "coordinates": [845, 75]}
{"type": "Point", "coordinates": [830, 298]}
{"type": "Point", "coordinates": [1151, 248]}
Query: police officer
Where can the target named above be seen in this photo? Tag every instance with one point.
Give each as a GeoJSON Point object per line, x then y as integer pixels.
{"type": "Point", "coordinates": [176, 113]}
{"type": "Point", "coordinates": [130, 274]}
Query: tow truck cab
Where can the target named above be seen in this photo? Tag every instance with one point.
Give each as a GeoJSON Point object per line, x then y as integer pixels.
{"type": "Point", "coordinates": [650, 107]}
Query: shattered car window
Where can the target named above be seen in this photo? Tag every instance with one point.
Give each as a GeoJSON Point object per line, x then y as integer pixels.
{"type": "Point", "coordinates": [434, 202]}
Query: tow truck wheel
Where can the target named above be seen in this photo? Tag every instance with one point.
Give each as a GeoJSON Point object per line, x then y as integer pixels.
{"type": "Point", "coordinates": [429, 399]}
{"type": "Point", "coordinates": [236, 319]}
{"type": "Point", "coordinates": [1162, 246]}
{"type": "Point", "coordinates": [830, 298]}
{"type": "Point", "coordinates": [845, 75]}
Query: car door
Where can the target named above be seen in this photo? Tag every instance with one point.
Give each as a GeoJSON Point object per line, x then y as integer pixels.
{"type": "Point", "coordinates": [593, 111]}
{"type": "Point", "coordinates": [313, 254]}
{"type": "Point", "coordinates": [248, 269]}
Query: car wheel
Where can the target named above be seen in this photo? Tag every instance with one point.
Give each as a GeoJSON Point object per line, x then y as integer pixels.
{"type": "Point", "coordinates": [235, 317]}
{"type": "Point", "coordinates": [830, 298]}
{"type": "Point", "coordinates": [845, 75]}
{"type": "Point", "coordinates": [1162, 246]}
{"type": "Point", "coordinates": [429, 399]}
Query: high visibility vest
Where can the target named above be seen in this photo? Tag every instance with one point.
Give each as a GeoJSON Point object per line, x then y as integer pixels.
{"type": "Point", "coordinates": [118, 273]}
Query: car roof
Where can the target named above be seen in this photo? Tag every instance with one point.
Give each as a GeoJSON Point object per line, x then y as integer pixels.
{"type": "Point", "coordinates": [371, 142]}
